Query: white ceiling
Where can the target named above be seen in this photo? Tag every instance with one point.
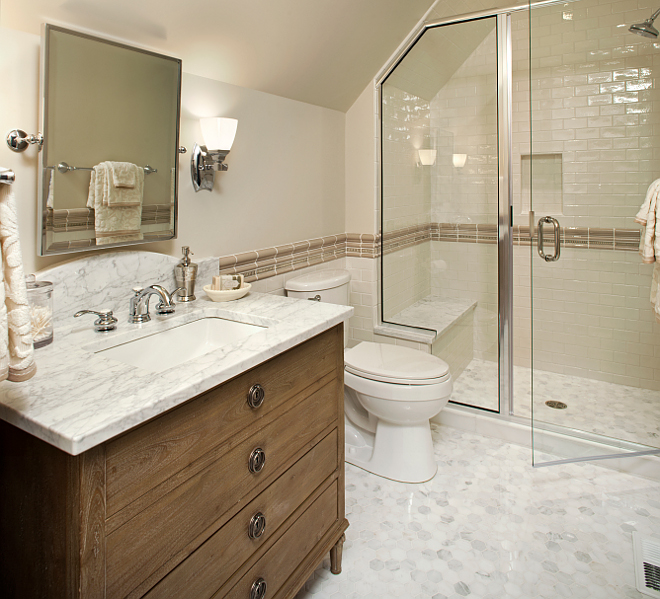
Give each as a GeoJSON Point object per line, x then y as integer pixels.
{"type": "Point", "coordinates": [322, 52]}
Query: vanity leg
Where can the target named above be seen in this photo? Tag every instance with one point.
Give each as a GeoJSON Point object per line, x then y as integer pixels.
{"type": "Point", "coordinates": [335, 556]}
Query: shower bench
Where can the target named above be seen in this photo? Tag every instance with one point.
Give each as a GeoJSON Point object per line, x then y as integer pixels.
{"type": "Point", "coordinates": [449, 328]}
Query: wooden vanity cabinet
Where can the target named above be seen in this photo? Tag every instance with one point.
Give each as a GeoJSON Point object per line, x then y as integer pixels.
{"type": "Point", "coordinates": [239, 492]}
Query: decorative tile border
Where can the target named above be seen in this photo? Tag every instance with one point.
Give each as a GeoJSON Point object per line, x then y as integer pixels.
{"type": "Point", "coordinates": [268, 262]}
{"type": "Point", "coordinates": [82, 219]}
{"type": "Point", "coordinates": [265, 263]}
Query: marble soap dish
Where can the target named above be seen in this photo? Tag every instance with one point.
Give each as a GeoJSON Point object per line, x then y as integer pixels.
{"type": "Point", "coordinates": [227, 295]}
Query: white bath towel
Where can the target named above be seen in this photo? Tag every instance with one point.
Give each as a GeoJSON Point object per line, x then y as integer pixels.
{"type": "Point", "coordinates": [649, 243]}
{"type": "Point", "coordinates": [112, 224]}
{"type": "Point", "coordinates": [16, 351]}
{"type": "Point", "coordinates": [124, 184]}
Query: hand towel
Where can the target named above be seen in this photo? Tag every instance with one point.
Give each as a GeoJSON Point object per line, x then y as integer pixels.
{"type": "Point", "coordinates": [112, 224]}
{"type": "Point", "coordinates": [124, 174]}
{"type": "Point", "coordinates": [16, 351]}
{"type": "Point", "coordinates": [649, 243]}
{"type": "Point", "coordinates": [124, 184]}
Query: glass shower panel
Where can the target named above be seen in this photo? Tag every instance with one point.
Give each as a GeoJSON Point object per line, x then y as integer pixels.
{"type": "Point", "coordinates": [440, 201]}
{"type": "Point", "coordinates": [595, 142]}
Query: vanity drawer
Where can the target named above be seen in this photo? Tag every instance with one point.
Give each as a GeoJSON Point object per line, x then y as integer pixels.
{"type": "Point", "coordinates": [142, 459]}
{"type": "Point", "coordinates": [281, 560]}
{"type": "Point", "coordinates": [208, 568]}
{"type": "Point", "coordinates": [146, 547]}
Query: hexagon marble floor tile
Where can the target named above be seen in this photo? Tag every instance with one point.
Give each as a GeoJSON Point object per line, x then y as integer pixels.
{"type": "Point", "coordinates": [490, 526]}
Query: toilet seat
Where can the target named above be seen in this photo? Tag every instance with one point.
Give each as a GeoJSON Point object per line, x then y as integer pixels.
{"type": "Point", "coordinates": [395, 365]}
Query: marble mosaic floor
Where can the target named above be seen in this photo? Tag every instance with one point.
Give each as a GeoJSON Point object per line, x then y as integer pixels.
{"type": "Point", "coordinates": [604, 408]}
{"type": "Point", "coordinates": [489, 526]}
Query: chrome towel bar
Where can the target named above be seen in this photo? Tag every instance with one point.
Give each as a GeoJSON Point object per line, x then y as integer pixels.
{"type": "Point", "coordinates": [63, 167]}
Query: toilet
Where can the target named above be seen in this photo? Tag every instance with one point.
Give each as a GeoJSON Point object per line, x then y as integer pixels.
{"type": "Point", "coordinates": [390, 394]}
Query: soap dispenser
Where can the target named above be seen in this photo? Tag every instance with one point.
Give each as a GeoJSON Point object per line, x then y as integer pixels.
{"type": "Point", "coordinates": [185, 273]}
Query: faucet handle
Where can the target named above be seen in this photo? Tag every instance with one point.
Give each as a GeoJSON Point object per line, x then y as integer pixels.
{"type": "Point", "coordinates": [164, 309]}
{"type": "Point", "coordinates": [105, 321]}
{"type": "Point", "coordinates": [138, 290]}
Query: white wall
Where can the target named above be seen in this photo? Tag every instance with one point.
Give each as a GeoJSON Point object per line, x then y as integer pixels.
{"type": "Point", "coordinates": [286, 169]}
{"type": "Point", "coordinates": [361, 172]}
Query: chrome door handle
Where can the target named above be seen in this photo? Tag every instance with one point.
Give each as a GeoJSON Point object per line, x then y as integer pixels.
{"type": "Point", "coordinates": [557, 238]}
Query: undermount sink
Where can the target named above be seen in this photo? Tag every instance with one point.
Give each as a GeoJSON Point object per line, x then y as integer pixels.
{"type": "Point", "coordinates": [166, 349]}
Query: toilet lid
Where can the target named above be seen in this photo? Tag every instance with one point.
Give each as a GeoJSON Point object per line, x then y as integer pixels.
{"type": "Point", "coordinates": [395, 364]}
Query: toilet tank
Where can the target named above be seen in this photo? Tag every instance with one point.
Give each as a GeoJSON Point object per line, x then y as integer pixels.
{"type": "Point", "coordinates": [330, 286]}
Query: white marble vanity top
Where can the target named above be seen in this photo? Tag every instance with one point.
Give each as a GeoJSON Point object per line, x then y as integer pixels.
{"type": "Point", "coordinates": [79, 399]}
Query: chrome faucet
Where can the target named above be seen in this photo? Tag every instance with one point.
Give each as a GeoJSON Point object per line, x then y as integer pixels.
{"type": "Point", "coordinates": [139, 307]}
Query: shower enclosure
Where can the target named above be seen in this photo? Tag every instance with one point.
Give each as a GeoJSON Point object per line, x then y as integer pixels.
{"type": "Point", "coordinates": [517, 146]}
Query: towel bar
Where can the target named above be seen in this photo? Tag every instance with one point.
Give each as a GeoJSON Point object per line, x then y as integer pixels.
{"type": "Point", "coordinates": [63, 167]}
{"type": "Point", "coordinates": [7, 176]}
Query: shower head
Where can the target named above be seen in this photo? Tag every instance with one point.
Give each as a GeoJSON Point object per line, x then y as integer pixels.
{"type": "Point", "coordinates": [646, 28]}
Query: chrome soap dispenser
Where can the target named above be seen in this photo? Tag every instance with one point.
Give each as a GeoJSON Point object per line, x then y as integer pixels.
{"type": "Point", "coordinates": [185, 274]}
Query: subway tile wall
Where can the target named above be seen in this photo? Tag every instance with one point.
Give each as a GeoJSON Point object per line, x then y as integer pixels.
{"type": "Point", "coordinates": [406, 195]}
{"type": "Point", "coordinates": [595, 124]}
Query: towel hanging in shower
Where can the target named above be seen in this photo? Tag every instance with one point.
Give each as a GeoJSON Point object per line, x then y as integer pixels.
{"type": "Point", "coordinates": [649, 243]}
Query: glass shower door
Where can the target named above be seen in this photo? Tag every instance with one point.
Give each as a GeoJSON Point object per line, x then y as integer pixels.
{"type": "Point", "coordinates": [594, 152]}
{"type": "Point", "coordinates": [441, 200]}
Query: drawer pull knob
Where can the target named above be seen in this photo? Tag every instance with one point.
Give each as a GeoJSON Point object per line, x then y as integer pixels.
{"type": "Point", "coordinates": [257, 526]}
{"type": "Point", "coordinates": [257, 460]}
{"type": "Point", "coordinates": [258, 590]}
{"type": "Point", "coordinates": [256, 396]}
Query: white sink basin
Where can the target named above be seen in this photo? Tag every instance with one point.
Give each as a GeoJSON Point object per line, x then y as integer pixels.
{"type": "Point", "coordinates": [172, 347]}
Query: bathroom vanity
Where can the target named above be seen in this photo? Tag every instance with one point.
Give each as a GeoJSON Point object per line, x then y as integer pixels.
{"type": "Point", "coordinates": [235, 491]}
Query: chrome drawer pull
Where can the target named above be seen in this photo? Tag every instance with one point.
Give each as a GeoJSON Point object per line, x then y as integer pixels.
{"type": "Point", "coordinates": [255, 396]}
{"type": "Point", "coordinates": [258, 590]}
{"type": "Point", "coordinates": [257, 460]}
{"type": "Point", "coordinates": [257, 526]}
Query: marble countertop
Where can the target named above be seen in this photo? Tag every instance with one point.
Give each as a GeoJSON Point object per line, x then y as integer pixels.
{"type": "Point", "coordinates": [79, 398]}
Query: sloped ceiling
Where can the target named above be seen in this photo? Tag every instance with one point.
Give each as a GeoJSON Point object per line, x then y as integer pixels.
{"type": "Point", "coordinates": [323, 52]}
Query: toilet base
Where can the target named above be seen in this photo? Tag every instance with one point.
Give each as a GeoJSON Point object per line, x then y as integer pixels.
{"type": "Point", "coordinates": [401, 453]}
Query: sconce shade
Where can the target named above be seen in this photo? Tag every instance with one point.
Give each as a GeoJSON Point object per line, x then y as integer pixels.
{"type": "Point", "coordinates": [427, 157]}
{"type": "Point", "coordinates": [458, 160]}
{"type": "Point", "coordinates": [218, 132]}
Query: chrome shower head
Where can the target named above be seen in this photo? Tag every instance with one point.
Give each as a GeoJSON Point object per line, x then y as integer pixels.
{"type": "Point", "coordinates": [646, 28]}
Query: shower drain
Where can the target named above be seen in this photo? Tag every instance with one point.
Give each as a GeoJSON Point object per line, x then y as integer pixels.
{"type": "Point", "coordinates": [556, 405]}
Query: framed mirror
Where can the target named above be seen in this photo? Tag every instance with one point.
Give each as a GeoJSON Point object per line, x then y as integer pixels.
{"type": "Point", "coordinates": [110, 120]}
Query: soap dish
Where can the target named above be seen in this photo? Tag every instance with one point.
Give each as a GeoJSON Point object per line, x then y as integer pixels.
{"type": "Point", "coordinates": [227, 295]}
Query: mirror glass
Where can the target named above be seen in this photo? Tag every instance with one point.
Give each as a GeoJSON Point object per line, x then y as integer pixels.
{"type": "Point", "coordinates": [110, 119]}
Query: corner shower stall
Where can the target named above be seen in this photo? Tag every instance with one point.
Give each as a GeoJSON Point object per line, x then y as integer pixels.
{"type": "Point", "coordinates": [517, 146]}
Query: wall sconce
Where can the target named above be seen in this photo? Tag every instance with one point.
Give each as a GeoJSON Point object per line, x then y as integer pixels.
{"type": "Point", "coordinates": [427, 157]}
{"type": "Point", "coordinates": [218, 133]}
{"type": "Point", "coordinates": [459, 160]}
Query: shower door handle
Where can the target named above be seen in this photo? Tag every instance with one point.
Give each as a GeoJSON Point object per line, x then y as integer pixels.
{"type": "Point", "coordinates": [557, 238]}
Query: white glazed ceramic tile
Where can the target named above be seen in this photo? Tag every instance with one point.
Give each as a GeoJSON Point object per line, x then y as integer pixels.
{"type": "Point", "coordinates": [79, 399]}
{"type": "Point", "coordinates": [489, 526]}
{"type": "Point", "coordinates": [607, 409]}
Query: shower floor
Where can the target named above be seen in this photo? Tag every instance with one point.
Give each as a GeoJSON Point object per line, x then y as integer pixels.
{"type": "Point", "coordinates": [616, 411]}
